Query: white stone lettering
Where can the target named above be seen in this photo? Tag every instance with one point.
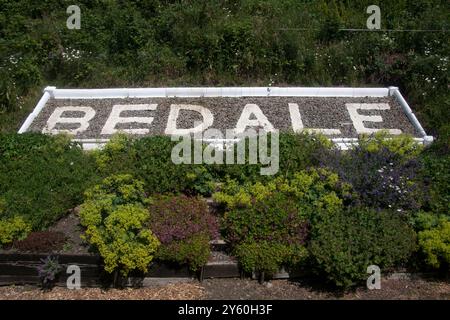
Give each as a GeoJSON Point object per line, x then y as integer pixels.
{"type": "Point", "coordinates": [245, 121]}
{"type": "Point", "coordinates": [297, 123]}
{"type": "Point", "coordinates": [175, 109]}
{"type": "Point", "coordinates": [115, 118]}
{"type": "Point", "coordinates": [359, 119]}
{"type": "Point", "coordinates": [57, 117]}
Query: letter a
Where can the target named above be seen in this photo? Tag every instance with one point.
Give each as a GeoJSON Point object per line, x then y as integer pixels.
{"type": "Point", "coordinates": [74, 21]}
{"type": "Point", "coordinates": [374, 21]}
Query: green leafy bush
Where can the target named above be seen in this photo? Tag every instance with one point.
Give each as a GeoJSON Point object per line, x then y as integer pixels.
{"type": "Point", "coordinates": [297, 151]}
{"type": "Point", "coordinates": [41, 177]}
{"type": "Point", "coordinates": [267, 257]}
{"type": "Point", "coordinates": [311, 189]}
{"type": "Point", "coordinates": [436, 174]}
{"type": "Point", "coordinates": [276, 218]}
{"type": "Point", "coordinates": [115, 218]}
{"type": "Point", "coordinates": [149, 159]}
{"type": "Point", "coordinates": [13, 229]}
{"type": "Point", "coordinates": [193, 252]}
{"type": "Point", "coordinates": [402, 145]}
{"type": "Point", "coordinates": [345, 243]}
{"type": "Point", "coordinates": [279, 214]}
{"type": "Point", "coordinates": [257, 231]}
{"type": "Point", "coordinates": [185, 227]}
{"type": "Point", "coordinates": [435, 245]}
{"type": "Point", "coordinates": [124, 188]}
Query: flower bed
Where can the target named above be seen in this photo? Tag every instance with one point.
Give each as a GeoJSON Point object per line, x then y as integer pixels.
{"type": "Point", "coordinates": [141, 215]}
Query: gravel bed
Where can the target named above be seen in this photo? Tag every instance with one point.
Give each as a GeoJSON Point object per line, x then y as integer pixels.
{"type": "Point", "coordinates": [236, 289]}
{"type": "Point", "coordinates": [329, 113]}
{"type": "Point", "coordinates": [179, 291]}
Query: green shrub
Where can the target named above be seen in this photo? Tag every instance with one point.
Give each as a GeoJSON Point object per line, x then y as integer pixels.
{"type": "Point", "coordinates": [402, 145]}
{"type": "Point", "coordinates": [276, 218]}
{"type": "Point", "coordinates": [267, 234]}
{"type": "Point", "coordinates": [149, 159]}
{"type": "Point", "coordinates": [116, 156]}
{"type": "Point", "coordinates": [436, 173]}
{"type": "Point", "coordinates": [312, 189]}
{"type": "Point", "coordinates": [278, 213]}
{"type": "Point", "coordinates": [124, 188]}
{"type": "Point", "coordinates": [267, 256]}
{"type": "Point", "coordinates": [193, 252]}
{"type": "Point", "coordinates": [41, 177]}
{"type": "Point", "coordinates": [435, 245]}
{"type": "Point", "coordinates": [115, 219]}
{"type": "Point", "coordinates": [13, 229]}
{"type": "Point", "coordinates": [345, 243]}
{"type": "Point", "coordinates": [297, 151]}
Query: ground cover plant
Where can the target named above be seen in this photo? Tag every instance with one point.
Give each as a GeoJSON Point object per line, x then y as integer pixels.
{"type": "Point", "coordinates": [41, 177]}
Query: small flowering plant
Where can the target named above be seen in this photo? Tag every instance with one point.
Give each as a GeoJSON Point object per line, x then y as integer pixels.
{"type": "Point", "coordinates": [382, 178]}
{"type": "Point", "coordinates": [48, 271]}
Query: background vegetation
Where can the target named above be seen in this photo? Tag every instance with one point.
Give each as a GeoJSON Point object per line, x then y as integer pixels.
{"type": "Point", "coordinates": [224, 42]}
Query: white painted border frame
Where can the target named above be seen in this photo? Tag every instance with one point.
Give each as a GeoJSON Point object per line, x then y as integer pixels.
{"type": "Point", "coordinates": [123, 93]}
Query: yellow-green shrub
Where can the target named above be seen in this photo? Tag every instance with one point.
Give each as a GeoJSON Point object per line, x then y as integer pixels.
{"type": "Point", "coordinates": [120, 238]}
{"type": "Point", "coordinates": [115, 219]}
{"type": "Point", "coordinates": [402, 145]}
{"type": "Point", "coordinates": [13, 229]}
{"type": "Point", "coordinates": [435, 245]}
{"type": "Point", "coordinates": [312, 188]}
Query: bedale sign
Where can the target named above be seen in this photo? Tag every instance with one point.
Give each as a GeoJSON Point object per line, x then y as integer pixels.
{"type": "Point", "coordinates": [97, 114]}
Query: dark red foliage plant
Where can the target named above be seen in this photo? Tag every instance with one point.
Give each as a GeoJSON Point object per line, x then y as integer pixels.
{"type": "Point", "coordinates": [185, 227]}
{"type": "Point", "coordinates": [175, 218]}
{"type": "Point", "coordinates": [42, 241]}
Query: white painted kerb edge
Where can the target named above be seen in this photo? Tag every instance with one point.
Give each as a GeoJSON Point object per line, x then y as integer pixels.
{"type": "Point", "coordinates": [120, 93]}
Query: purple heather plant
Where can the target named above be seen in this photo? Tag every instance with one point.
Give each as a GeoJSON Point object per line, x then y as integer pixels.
{"type": "Point", "coordinates": [383, 179]}
{"type": "Point", "coordinates": [184, 227]}
{"type": "Point", "coordinates": [177, 218]}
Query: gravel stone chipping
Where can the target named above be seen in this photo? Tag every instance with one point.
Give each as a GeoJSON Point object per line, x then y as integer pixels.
{"type": "Point", "coordinates": [236, 289]}
{"type": "Point", "coordinates": [329, 113]}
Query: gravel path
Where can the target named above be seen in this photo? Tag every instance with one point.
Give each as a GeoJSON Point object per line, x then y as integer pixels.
{"type": "Point", "coordinates": [180, 291]}
{"type": "Point", "coordinates": [236, 289]}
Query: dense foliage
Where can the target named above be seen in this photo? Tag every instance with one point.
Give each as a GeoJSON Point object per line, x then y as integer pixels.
{"type": "Point", "coordinates": [434, 241]}
{"type": "Point", "coordinates": [305, 216]}
{"type": "Point", "coordinates": [261, 217]}
{"type": "Point", "coordinates": [222, 42]}
{"type": "Point", "coordinates": [41, 241]}
{"type": "Point", "coordinates": [41, 177]}
{"type": "Point", "coordinates": [13, 229]}
{"type": "Point", "coordinates": [345, 243]}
